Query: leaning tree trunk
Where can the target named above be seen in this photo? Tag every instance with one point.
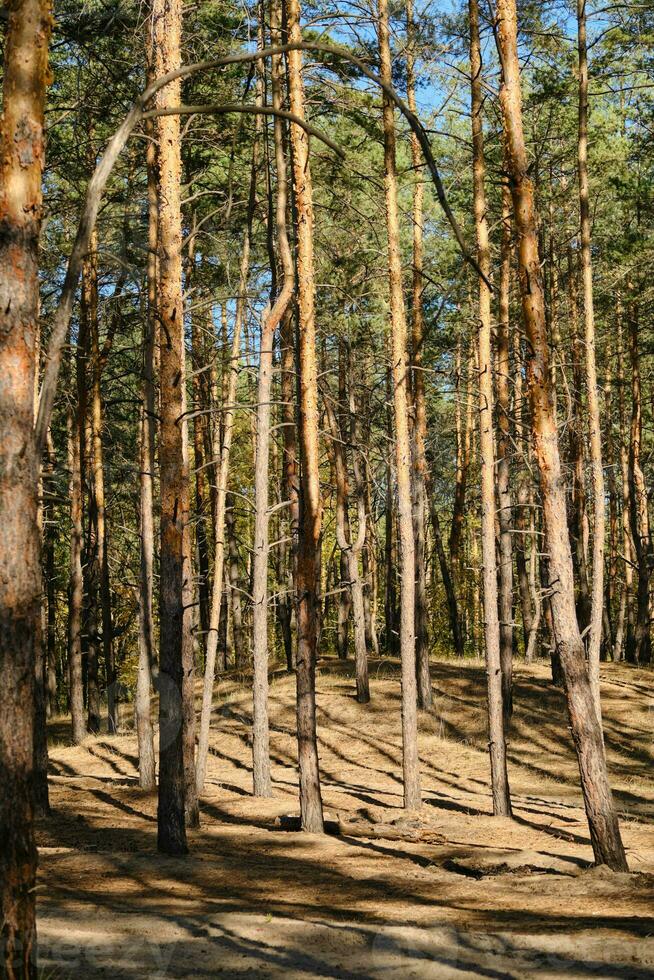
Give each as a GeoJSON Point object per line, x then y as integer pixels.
{"type": "Point", "coordinates": [175, 571]}
{"type": "Point", "coordinates": [307, 582]}
{"type": "Point", "coordinates": [496, 709]}
{"type": "Point", "coordinates": [400, 376]}
{"type": "Point", "coordinates": [21, 166]}
{"type": "Point", "coordinates": [585, 725]}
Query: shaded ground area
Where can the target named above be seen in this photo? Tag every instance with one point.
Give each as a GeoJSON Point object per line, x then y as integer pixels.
{"type": "Point", "coordinates": [446, 892]}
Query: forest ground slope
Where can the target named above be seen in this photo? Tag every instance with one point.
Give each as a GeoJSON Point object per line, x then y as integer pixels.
{"type": "Point", "coordinates": [446, 892]}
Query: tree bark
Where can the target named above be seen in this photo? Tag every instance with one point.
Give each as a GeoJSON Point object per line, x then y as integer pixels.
{"type": "Point", "coordinates": [400, 375]}
{"type": "Point", "coordinates": [625, 614]}
{"type": "Point", "coordinates": [579, 517]}
{"type": "Point", "coordinates": [75, 584]}
{"type": "Point", "coordinates": [289, 478]}
{"type": "Point", "coordinates": [175, 571]}
{"type": "Point", "coordinates": [307, 582]}
{"type": "Point", "coordinates": [234, 580]}
{"type": "Point", "coordinates": [504, 498]}
{"type": "Point", "coordinates": [87, 325]}
{"type": "Point", "coordinates": [497, 711]}
{"type": "Point", "coordinates": [221, 453]}
{"type": "Point", "coordinates": [142, 707]}
{"type": "Point", "coordinates": [640, 532]}
{"type": "Point", "coordinates": [585, 725]}
{"type": "Point", "coordinates": [599, 505]}
{"type": "Point", "coordinates": [21, 166]}
{"type": "Point", "coordinates": [350, 549]}
{"type": "Point", "coordinates": [418, 389]}
{"type": "Point", "coordinates": [98, 505]}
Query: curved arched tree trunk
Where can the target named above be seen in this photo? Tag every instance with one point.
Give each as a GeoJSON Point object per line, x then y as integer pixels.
{"type": "Point", "coordinates": [271, 320]}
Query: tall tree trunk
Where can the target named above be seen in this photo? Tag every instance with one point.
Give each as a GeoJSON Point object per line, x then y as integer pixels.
{"type": "Point", "coordinates": [234, 580]}
{"type": "Point", "coordinates": [400, 375]}
{"type": "Point", "coordinates": [260, 731]}
{"type": "Point", "coordinates": [639, 516]}
{"type": "Point", "coordinates": [418, 389]}
{"type": "Point", "coordinates": [88, 314]}
{"type": "Point", "coordinates": [175, 570]}
{"type": "Point", "coordinates": [289, 476]}
{"type": "Point", "coordinates": [579, 521]}
{"type": "Point", "coordinates": [103, 593]}
{"type": "Point", "coordinates": [585, 725]}
{"type": "Point", "coordinates": [144, 730]}
{"type": "Point", "coordinates": [625, 613]}
{"type": "Point", "coordinates": [612, 577]}
{"type": "Point", "coordinates": [271, 319]}
{"type": "Point", "coordinates": [350, 549]}
{"type": "Point", "coordinates": [463, 452]}
{"type": "Point", "coordinates": [599, 505]}
{"type": "Point", "coordinates": [362, 631]}
{"type": "Point", "coordinates": [390, 593]}
{"type": "Point", "coordinates": [497, 711]}
{"type": "Point", "coordinates": [221, 452]}
{"type": "Point", "coordinates": [41, 794]}
{"type": "Point", "coordinates": [522, 496]}
{"type": "Point", "coordinates": [201, 408]}
{"type": "Point", "coordinates": [344, 596]}
{"type": "Point", "coordinates": [51, 592]}
{"type": "Point", "coordinates": [21, 165]}
{"type": "Point", "coordinates": [307, 582]}
{"type": "Point", "coordinates": [504, 499]}
{"type": "Point", "coordinates": [76, 584]}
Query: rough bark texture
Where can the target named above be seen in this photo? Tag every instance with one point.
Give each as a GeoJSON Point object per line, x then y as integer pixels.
{"type": "Point", "coordinates": [585, 725]}
{"type": "Point", "coordinates": [307, 582]}
{"type": "Point", "coordinates": [400, 377]}
{"type": "Point", "coordinates": [21, 167]}
{"type": "Point", "coordinates": [175, 572]}
{"type": "Point", "coordinates": [496, 709]}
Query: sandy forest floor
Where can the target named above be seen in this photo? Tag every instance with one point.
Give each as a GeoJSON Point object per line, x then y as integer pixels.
{"type": "Point", "coordinates": [451, 892]}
